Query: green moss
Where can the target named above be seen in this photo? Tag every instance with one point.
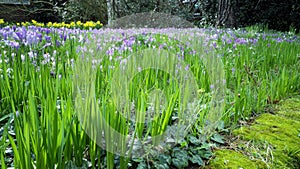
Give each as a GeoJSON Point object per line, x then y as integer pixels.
{"type": "Point", "coordinates": [289, 108]}
{"type": "Point", "coordinates": [229, 159]}
{"type": "Point", "coordinates": [281, 130]}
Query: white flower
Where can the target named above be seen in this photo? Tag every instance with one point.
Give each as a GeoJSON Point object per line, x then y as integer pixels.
{"type": "Point", "coordinates": [22, 57]}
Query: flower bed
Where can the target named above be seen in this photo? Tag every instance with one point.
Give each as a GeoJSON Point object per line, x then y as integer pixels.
{"type": "Point", "coordinates": [133, 98]}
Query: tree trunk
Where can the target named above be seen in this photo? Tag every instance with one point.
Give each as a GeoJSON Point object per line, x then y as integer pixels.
{"type": "Point", "coordinates": [110, 11]}
{"type": "Point", "coordinates": [226, 13]}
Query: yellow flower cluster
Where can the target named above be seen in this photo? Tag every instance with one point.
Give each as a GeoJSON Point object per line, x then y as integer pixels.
{"type": "Point", "coordinates": [37, 23]}
{"type": "Point", "coordinates": [29, 23]}
{"type": "Point", "coordinates": [2, 21]}
{"type": "Point", "coordinates": [78, 24]}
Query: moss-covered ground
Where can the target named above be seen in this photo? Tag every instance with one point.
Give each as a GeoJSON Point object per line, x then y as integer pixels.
{"type": "Point", "coordinates": [271, 141]}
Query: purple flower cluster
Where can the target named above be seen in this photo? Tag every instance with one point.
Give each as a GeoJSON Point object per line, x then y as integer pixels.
{"type": "Point", "coordinates": [36, 44]}
{"type": "Point", "coordinates": [33, 36]}
{"type": "Point", "coordinates": [115, 44]}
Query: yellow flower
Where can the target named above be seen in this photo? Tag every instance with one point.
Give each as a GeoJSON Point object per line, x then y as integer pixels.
{"type": "Point", "coordinates": [49, 24]}
{"type": "Point", "coordinates": [56, 25]}
{"type": "Point", "coordinates": [34, 22]}
{"type": "Point", "coordinates": [91, 24]}
{"type": "Point", "coordinates": [78, 23]}
{"type": "Point", "coordinates": [72, 24]}
{"type": "Point", "coordinates": [25, 23]}
{"type": "Point", "coordinates": [2, 21]}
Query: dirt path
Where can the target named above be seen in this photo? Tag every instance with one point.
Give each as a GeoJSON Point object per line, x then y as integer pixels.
{"type": "Point", "coordinates": [271, 141]}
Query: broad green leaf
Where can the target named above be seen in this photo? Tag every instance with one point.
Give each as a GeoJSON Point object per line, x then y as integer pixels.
{"type": "Point", "coordinates": [161, 166]}
{"type": "Point", "coordinates": [218, 138]}
{"type": "Point", "coordinates": [142, 165]}
{"type": "Point", "coordinates": [205, 154]}
{"type": "Point", "coordinates": [194, 140]}
{"type": "Point", "coordinates": [164, 159]}
{"type": "Point", "coordinates": [196, 159]}
{"type": "Point", "coordinates": [221, 125]}
{"type": "Point", "coordinates": [180, 158]}
{"type": "Point", "coordinates": [180, 163]}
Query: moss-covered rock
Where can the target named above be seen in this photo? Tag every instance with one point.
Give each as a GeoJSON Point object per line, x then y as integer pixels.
{"type": "Point", "coordinates": [281, 130]}
{"type": "Point", "coordinates": [229, 159]}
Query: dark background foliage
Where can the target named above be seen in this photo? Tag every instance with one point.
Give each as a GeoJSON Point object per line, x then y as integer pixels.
{"type": "Point", "coordinates": [274, 14]}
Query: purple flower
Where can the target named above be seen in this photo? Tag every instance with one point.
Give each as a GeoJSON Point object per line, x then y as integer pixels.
{"type": "Point", "coordinates": [63, 37]}
{"type": "Point", "coordinates": [240, 41]}
{"type": "Point", "coordinates": [121, 48]}
{"type": "Point", "coordinates": [123, 61]}
{"type": "Point", "coordinates": [234, 46]}
{"type": "Point", "coordinates": [47, 44]}
{"type": "Point", "coordinates": [47, 38]}
{"type": "Point", "coordinates": [279, 39]}
{"type": "Point", "coordinates": [47, 31]}
{"type": "Point", "coordinates": [110, 51]}
{"type": "Point", "coordinates": [161, 46]}
{"type": "Point", "coordinates": [14, 28]}
{"type": "Point", "coordinates": [32, 39]}
{"type": "Point", "coordinates": [229, 41]}
{"type": "Point", "coordinates": [15, 36]}
{"type": "Point", "coordinates": [4, 35]}
{"type": "Point", "coordinates": [254, 41]}
{"type": "Point", "coordinates": [214, 44]}
{"type": "Point", "coordinates": [214, 37]}
{"type": "Point", "coordinates": [20, 35]}
{"type": "Point", "coordinates": [187, 67]}
{"type": "Point", "coordinates": [58, 44]}
{"type": "Point", "coordinates": [193, 52]}
{"type": "Point", "coordinates": [47, 58]}
{"type": "Point", "coordinates": [15, 45]}
{"type": "Point", "coordinates": [39, 37]}
{"type": "Point", "coordinates": [31, 55]}
{"type": "Point", "coordinates": [17, 113]}
{"type": "Point", "coordinates": [129, 42]}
